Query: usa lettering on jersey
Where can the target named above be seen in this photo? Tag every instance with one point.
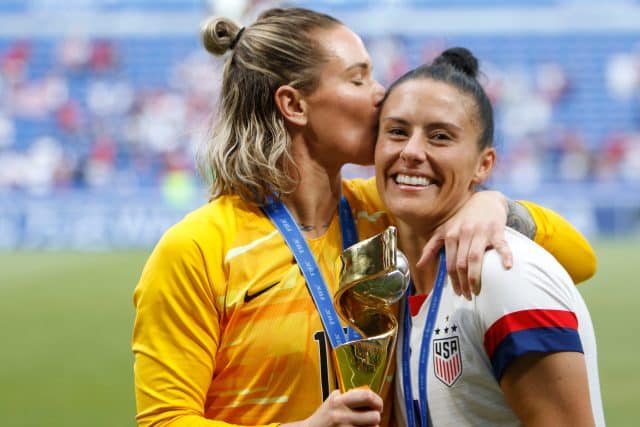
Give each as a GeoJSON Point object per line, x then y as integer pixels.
{"type": "Point", "coordinates": [447, 359]}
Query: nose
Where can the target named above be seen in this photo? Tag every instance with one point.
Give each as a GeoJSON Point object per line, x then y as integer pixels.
{"type": "Point", "coordinates": [414, 150]}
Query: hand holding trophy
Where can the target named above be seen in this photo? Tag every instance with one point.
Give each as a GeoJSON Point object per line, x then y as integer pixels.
{"type": "Point", "coordinates": [373, 276]}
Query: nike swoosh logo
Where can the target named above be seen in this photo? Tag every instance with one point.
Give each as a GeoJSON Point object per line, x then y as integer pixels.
{"type": "Point", "coordinates": [249, 297]}
{"type": "Point", "coordinates": [371, 217]}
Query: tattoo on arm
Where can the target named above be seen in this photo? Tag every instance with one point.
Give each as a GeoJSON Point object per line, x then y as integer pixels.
{"type": "Point", "coordinates": [519, 218]}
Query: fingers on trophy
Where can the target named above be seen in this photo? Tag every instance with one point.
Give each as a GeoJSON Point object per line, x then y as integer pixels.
{"type": "Point", "coordinates": [373, 276]}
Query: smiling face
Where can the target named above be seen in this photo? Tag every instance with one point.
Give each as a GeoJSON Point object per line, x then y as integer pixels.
{"type": "Point", "coordinates": [343, 109]}
{"type": "Point", "coordinates": [428, 158]}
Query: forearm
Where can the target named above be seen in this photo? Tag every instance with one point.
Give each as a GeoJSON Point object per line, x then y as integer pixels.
{"type": "Point", "coordinates": [563, 241]}
{"type": "Point", "coordinates": [519, 218]}
{"type": "Point", "coordinates": [556, 235]}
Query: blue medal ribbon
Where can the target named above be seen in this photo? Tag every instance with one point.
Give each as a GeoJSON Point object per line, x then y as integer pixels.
{"type": "Point", "coordinates": [425, 345]}
{"type": "Point", "coordinates": [284, 222]}
{"type": "Point", "coordinates": [347, 224]}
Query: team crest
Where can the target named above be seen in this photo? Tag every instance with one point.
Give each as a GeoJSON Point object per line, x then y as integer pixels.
{"type": "Point", "coordinates": [447, 360]}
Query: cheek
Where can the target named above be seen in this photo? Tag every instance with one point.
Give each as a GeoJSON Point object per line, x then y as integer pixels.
{"type": "Point", "coordinates": [377, 150]}
{"type": "Point", "coordinates": [462, 170]}
{"type": "Point", "coordinates": [379, 163]}
{"type": "Point", "coordinates": [360, 108]}
{"type": "Point", "coordinates": [381, 154]}
{"type": "Point", "coordinates": [353, 120]}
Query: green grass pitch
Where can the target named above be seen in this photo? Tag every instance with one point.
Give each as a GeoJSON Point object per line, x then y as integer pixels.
{"type": "Point", "coordinates": [65, 329]}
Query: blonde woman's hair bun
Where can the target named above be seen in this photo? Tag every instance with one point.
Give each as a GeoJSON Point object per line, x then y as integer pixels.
{"type": "Point", "coordinates": [219, 35]}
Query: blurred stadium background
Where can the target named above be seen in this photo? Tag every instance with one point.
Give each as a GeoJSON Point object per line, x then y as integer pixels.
{"type": "Point", "coordinates": [103, 102]}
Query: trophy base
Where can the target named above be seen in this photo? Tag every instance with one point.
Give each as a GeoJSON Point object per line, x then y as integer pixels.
{"type": "Point", "coordinates": [364, 362]}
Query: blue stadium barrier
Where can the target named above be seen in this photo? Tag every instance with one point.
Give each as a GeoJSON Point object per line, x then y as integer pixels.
{"type": "Point", "coordinates": [85, 221]}
{"type": "Point", "coordinates": [98, 220]}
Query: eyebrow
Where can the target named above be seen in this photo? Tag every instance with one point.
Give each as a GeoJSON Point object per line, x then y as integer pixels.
{"type": "Point", "coordinates": [430, 126]}
{"type": "Point", "coordinates": [394, 119]}
{"type": "Point", "coordinates": [364, 65]}
{"type": "Point", "coordinates": [444, 125]}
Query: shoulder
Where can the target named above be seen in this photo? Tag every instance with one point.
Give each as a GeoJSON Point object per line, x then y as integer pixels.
{"type": "Point", "coordinates": [207, 227]}
{"type": "Point", "coordinates": [367, 207]}
{"type": "Point", "coordinates": [362, 192]}
{"type": "Point", "coordinates": [193, 250]}
{"type": "Point", "coordinates": [528, 257]}
{"type": "Point", "coordinates": [536, 278]}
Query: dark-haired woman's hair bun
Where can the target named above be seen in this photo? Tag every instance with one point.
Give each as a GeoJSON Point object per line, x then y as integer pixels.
{"type": "Point", "coordinates": [459, 58]}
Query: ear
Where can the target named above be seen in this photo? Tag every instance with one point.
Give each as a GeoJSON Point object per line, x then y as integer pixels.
{"type": "Point", "coordinates": [292, 105]}
{"type": "Point", "coordinates": [485, 165]}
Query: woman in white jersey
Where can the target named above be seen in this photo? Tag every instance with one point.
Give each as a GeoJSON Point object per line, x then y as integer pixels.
{"type": "Point", "coordinates": [523, 350]}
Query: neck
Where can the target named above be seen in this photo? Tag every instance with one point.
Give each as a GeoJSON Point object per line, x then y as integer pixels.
{"type": "Point", "coordinates": [315, 200]}
{"type": "Point", "coordinates": [411, 244]}
{"type": "Point", "coordinates": [413, 235]}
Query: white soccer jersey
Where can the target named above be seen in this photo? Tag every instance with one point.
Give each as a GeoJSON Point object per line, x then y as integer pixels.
{"type": "Point", "coordinates": [534, 306]}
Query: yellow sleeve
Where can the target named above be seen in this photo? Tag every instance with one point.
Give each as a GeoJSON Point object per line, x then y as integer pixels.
{"type": "Point", "coordinates": [176, 335]}
{"type": "Point", "coordinates": [367, 191]}
{"type": "Point", "coordinates": [563, 241]}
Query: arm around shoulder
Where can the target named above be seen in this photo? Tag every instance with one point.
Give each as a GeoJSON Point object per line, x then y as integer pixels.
{"type": "Point", "coordinates": [561, 239]}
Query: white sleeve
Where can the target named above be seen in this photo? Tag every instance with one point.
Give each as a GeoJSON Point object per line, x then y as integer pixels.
{"type": "Point", "coordinates": [527, 308]}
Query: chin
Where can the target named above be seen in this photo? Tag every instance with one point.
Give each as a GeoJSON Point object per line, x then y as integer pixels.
{"type": "Point", "coordinates": [404, 211]}
{"type": "Point", "coordinates": [414, 212]}
{"type": "Point", "coordinates": [364, 158]}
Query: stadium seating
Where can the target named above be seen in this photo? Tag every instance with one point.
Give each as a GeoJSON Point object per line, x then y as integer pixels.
{"type": "Point", "coordinates": [125, 111]}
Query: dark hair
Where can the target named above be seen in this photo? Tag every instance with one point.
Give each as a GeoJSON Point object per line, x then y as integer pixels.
{"type": "Point", "coordinates": [458, 67]}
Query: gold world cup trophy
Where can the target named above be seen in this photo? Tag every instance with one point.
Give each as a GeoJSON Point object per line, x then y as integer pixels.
{"type": "Point", "coordinates": [373, 276]}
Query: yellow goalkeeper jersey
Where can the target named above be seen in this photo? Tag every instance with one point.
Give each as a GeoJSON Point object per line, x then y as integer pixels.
{"type": "Point", "coordinates": [226, 332]}
{"type": "Point", "coordinates": [225, 326]}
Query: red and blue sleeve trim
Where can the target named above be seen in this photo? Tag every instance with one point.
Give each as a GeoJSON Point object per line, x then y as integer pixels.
{"type": "Point", "coordinates": [545, 331]}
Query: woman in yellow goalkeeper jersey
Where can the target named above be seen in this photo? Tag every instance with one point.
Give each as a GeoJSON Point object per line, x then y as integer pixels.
{"type": "Point", "coordinates": [231, 326]}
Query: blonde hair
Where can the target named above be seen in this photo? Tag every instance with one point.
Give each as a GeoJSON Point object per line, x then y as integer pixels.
{"type": "Point", "coordinates": [248, 152]}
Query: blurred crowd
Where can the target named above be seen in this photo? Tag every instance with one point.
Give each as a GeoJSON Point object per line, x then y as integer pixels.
{"type": "Point", "coordinates": [536, 143]}
{"type": "Point", "coordinates": [83, 122]}
{"type": "Point", "coordinates": [88, 120]}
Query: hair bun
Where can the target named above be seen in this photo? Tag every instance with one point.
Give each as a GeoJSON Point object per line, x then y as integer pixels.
{"type": "Point", "coordinates": [218, 35]}
{"type": "Point", "coordinates": [459, 58]}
